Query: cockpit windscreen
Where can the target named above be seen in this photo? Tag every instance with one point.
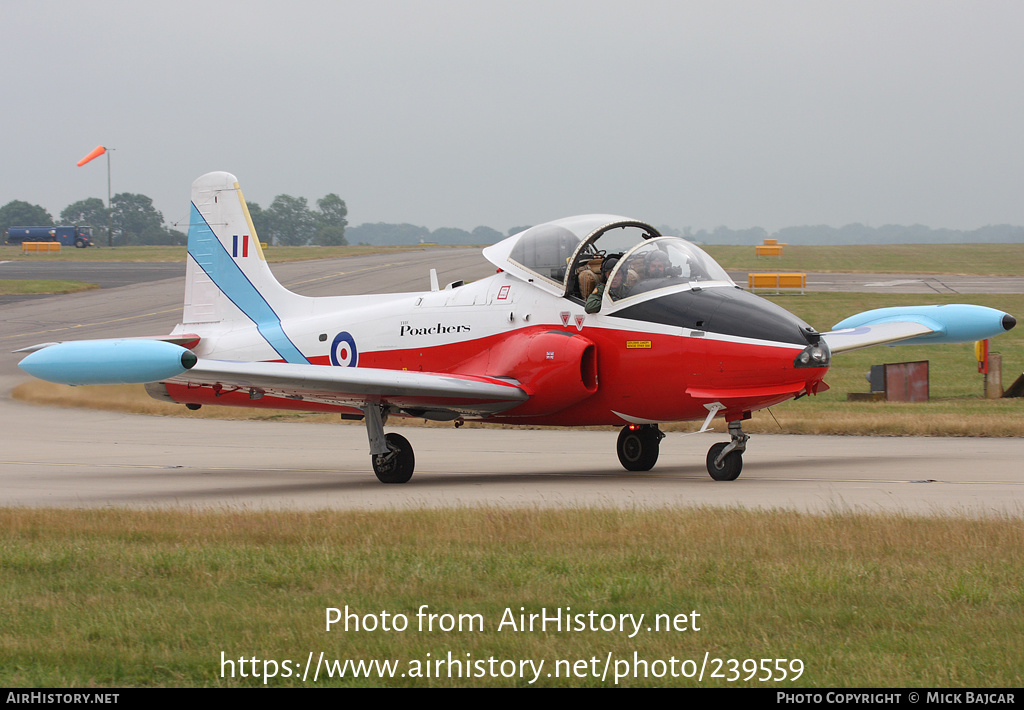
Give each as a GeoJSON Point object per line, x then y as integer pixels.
{"type": "Point", "coordinates": [663, 263]}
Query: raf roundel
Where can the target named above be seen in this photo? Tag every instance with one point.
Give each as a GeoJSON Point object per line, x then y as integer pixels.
{"type": "Point", "coordinates": [343, 350]}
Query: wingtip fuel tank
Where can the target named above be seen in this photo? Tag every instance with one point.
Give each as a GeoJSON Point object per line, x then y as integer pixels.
{"type": "Point", "coordinates": [108, 362]}
{"type": "Point", "coordinates": [950, 323]}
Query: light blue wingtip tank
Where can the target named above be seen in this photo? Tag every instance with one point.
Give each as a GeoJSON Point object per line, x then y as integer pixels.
{"type": "Point", "coordinates": [101, 362]}
{"type": "Point", "coordinates": [950, 323]}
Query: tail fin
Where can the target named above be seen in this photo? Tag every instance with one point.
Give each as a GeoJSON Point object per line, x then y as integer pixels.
{"type": "Point", "coordinates": [227, 279]}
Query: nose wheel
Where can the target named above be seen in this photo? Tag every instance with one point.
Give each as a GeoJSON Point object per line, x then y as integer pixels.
{"type": "Point", "coordinates": [725, 459]}
{"type": "Point", "coordinates": [638, 446]}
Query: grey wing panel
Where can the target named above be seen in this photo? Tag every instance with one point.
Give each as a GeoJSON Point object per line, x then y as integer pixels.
{"type": "Point", "coordinates": [357, 386]}
{"type": "Point", "coordinates": [867, 335]}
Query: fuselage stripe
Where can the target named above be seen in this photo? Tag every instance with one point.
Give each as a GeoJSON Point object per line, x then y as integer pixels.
{"type": "Point", "coordinates": [213, 258]}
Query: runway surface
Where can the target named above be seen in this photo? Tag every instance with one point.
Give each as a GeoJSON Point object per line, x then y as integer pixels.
{"type": "Point", "coordinates": [78, 458]}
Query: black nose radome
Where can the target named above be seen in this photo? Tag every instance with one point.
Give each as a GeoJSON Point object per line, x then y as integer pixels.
{"type": "Point", "coordinates": [1008, 322]}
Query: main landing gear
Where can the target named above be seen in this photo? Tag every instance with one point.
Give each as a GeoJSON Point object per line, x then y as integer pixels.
{"type": "Point", "coordinates": [725, 460]}
{"type": "Point", "coordinates": [396, 466]}
{"type": "Point", "coordinates": [638, 446]}
{"type": "Point", "coordinates": [391, 455]}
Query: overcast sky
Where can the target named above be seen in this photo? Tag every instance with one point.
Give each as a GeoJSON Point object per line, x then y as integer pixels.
{"type": "Point", "coordinates": [465, 113]}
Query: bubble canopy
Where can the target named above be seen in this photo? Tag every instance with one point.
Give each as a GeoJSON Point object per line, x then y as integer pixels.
{"type": "Point", "coordinates": [550, 255]}
{"type": "Point", "coordinates": [664, 262]}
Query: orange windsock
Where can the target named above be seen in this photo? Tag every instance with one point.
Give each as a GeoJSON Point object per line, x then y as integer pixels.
{"type": "Point", "coordinates": [96, 152]}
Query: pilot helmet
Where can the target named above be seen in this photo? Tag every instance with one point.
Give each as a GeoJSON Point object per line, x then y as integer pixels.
{"type": "Point", "coordinates": [657, 256]}
{"type": "Point", "coordinates": [608, 264]}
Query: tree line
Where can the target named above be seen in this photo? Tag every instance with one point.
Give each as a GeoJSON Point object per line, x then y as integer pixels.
{"type": "Point", "coordinates": [289, 221]}
{"type": "Point", "coordinates": [134, 220]}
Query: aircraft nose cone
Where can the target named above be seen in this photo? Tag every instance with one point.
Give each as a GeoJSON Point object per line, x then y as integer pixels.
{"type": "Point", "coordinates": [1008, 322]}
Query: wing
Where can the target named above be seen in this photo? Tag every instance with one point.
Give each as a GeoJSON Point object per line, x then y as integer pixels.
{"type": "Point", "coordinates": [141, 361]}
{"type": "Point", "coordinates": [903, 325]}
{"type": "Point", "coordinates": [865, 336]}
{"type": "Point", "coordinates": [414, 392]}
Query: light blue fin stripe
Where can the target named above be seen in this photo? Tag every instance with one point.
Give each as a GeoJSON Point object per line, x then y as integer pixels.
{"type": "Point", "coordinates": [207, 251]}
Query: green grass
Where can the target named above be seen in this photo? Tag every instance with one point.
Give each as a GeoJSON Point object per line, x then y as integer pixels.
{"type": "Point", "coordinates": [11, 287]}
{"type": "Point", "coordinates": [975, 259]}
{"type": "Point", "coordinates": [145, 598]}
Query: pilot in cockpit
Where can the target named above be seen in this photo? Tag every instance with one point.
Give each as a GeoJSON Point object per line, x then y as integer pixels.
{"type": "Point", "coordinates": [657, 265]}
{"type": "Point", "coordinates": [593, 304]}
{"type": "Point", "coordinates": [620, 286]}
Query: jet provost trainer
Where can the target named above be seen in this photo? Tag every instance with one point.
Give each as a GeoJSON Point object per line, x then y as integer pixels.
{"type": "Point", "coordinates": [669, 337]}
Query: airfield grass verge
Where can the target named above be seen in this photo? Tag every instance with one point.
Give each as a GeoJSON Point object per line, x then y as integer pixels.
{"type": "Point", "coordinates": [12, 287]}
{"type": "Point", "coordinates": [975, 259]}
{"type": "Point", "coordinates": [147, 598]}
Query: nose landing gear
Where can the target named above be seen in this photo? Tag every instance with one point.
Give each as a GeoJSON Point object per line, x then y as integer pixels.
{"type": "Point", "coordinates": [725, 460]}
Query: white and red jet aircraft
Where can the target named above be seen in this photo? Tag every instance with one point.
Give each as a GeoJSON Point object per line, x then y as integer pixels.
{"type": "Point", "coordinates": [674, 340]}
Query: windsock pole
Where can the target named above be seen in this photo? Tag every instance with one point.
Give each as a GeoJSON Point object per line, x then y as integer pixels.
{"type": "Point", "coordinates": [95, 153]}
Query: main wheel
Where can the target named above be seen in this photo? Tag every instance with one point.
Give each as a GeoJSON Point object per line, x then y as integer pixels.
{"type": "Point", "coordinates": [729, 469]}
{"type": "Point", "coordinates": [638, 447]}
{"type": "Point", "coordinates": [397, 465]}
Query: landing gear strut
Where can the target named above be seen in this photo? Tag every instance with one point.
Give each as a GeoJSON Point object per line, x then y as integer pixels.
{"type": "Point", "coordinates": [392, 456]}
{"type": "Point", "coordinates": [638, 446]}
{"type": "Point", "coordinates": [725, 460]}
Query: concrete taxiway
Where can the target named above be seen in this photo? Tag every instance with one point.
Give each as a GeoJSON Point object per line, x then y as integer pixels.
{"type": "Point", "coordinates": [100, 459]}
{"type": "Point", "coordinates": [79, 458]}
